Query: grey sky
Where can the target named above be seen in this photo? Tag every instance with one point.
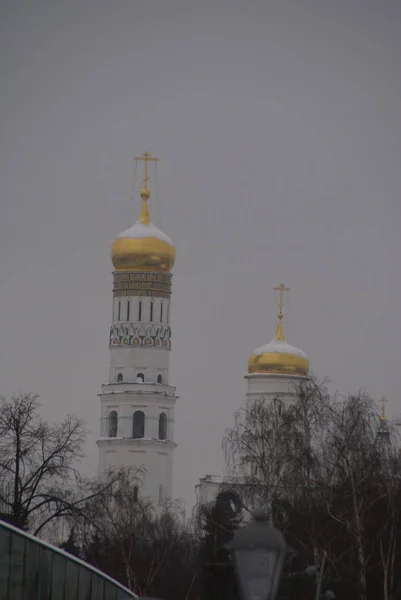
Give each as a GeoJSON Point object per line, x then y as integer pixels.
{"type": "Point", "coordinates": [279, 131]}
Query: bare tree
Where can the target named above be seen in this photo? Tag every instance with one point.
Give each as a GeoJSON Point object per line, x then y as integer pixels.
{"type": "Point", "coordinates": [39, 480]}
{"type": "Point", "coordinates": [274, 446]}
{"type": "Point", "coordinates": [110, 519]}
{"type": "Point", "coordinates": [329, 470]}
{"type": "Point", "coordinates": [145, 549]}
{"type": "Point", "coordinates": [359, 470]}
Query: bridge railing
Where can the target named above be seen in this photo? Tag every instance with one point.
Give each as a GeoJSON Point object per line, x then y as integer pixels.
{"type": "Point", "coordinates": [31, 569]}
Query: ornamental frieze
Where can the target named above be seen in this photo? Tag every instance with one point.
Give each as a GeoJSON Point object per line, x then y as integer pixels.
{"type": "Point", "coordinates": [142, 277]}
{"type": "Point", "coordinates": [141, 293]}
{"type": "Point", "coordinates": [142, 284]}
{"type": "Point", "coordinates": [140, 335]}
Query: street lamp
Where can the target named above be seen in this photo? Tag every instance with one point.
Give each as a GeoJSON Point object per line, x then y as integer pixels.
{"type": "Point", "coordinates": [259, 551]}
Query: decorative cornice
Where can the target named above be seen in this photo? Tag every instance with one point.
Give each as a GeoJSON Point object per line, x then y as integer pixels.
{"type": "Point", "coordinates": [121, 441]}
{"type": "Point", "coordinates": [158, 397]}
{"type": "Point", "coordinates": [133, 334]}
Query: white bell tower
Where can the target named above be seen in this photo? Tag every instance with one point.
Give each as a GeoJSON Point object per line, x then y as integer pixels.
{"type": "Point", "coordinates": [137, 403]}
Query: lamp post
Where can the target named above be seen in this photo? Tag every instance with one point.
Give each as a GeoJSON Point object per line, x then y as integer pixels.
{"type": "Point", "coordinates": [259, 551]}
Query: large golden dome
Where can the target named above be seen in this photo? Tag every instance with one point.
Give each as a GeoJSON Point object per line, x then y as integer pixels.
{"type": "Point", "coordinates": [278, 356]}
{"type": "Point", "coordinates": [143, 247]}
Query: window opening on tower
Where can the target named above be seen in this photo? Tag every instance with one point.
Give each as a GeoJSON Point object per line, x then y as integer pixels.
{"type": "Point", "coordinates": [119, 311]}
{"type": "Point", "coordinates": [138, 424]}
{"type": "Point", "coordinates": [162, 426]}
{"type": "Point", "coordinates": [151, 311]}
{"type": "Point", "coordinates": [128, 309]}
{"type": "Point", "coordinates": [113, 424]}
{"type": "Point", "coordinates": [135, 494]}
{"type": "Point", "coordinates": [119, 378]}
{"type": "Point", "coordinates": [159, 379]}
{"type": "Point", "coordinates": [161, 312]}
{"type": "Point", "coordinates": [140, 378]}
{"type": "Point", "coordinates": [140, 310]}
{"type": "Point", "coordinates": [168, 313]}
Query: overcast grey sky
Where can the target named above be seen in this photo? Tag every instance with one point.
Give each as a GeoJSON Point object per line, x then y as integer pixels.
{"type": "Point", "coordinates": [278, 127]}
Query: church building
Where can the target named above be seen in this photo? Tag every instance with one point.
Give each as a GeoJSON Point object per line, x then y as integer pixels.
{"type": "Point", "coordinates": [137, 403]}
{"type": "Point", "coordinates": [274, 371]}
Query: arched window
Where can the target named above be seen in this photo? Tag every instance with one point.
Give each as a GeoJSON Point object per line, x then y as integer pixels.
{"type": "Point", "coordinates": [140, 310]}
{"type": "Point", "coordinates": [113, 423]}
{"type": "Point", "coordinates": [151, 311]}
{"type": "Point", "coordinates": [138, 425]}
{"type": "Point", "coordinates": [162, 426]}
{"type": "Point", "coordinates": [161, 312]}
{"type": "Point", "coordinates": [159, 379]}
{"type": "Point", "coordinates": [119, 311]}
{"type": "Point", "coordinates": [119, 378]}
{"type": "Point", "coordinates": [140, 378]}
{"type": "Point", "coordinates": [128, 309]}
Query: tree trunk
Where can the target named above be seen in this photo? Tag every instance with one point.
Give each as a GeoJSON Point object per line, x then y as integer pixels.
{"type": "Point", "coordinates": [16, 501]}
{"type": "Point", "coordinates": [359, 541]}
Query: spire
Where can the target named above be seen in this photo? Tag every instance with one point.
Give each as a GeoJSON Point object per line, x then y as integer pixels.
{"type": "Point", "coordinates": [145, 193]}
{"type": "Point", "coordinates": [383, 416]}
{"type": "Point", "coordinates": [280, 333]}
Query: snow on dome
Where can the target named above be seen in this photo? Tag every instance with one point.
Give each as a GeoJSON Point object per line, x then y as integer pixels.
{"type": "Point", "coordinates": [279, 346]}
{"type": "Point", "coordinates": [278, 356]}
{"type": "Point", "coordinates": [142, 231]}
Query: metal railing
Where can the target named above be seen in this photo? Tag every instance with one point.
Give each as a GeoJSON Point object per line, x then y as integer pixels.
{"type": "Point", "coordinates": [33, 569]}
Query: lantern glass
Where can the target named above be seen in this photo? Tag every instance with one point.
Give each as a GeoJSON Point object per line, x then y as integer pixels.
{"type": "Point", "coordinates": [259, 572]}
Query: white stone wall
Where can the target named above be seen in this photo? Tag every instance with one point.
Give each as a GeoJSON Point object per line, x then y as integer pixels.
{"type": "Point", "coordinates": [271, 386]}
{"type": "Point", "coordinates": [125, 402]}
{"type": "Point", "coordinates": [207, 490]}
{"type": "Point", "coordinates": [131, 360]}
{"type": "Point", "coordinates": [154, 456]}
{"type": "Point", "coordinates": [125, 393]}
{"type": "Point", "coordinates": [160, 312]}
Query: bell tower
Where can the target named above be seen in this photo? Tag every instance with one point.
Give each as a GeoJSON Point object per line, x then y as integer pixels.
{"type": "Point", "coordinates": [137, 403]}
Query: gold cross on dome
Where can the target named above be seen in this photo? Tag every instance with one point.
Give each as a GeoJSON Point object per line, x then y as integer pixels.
{"type": "Point", "coordinates": [281, 288]}
{"type": "Point", "coordinates": [146, 157]}
{"type": "Point", "coordinates": [280, 333]}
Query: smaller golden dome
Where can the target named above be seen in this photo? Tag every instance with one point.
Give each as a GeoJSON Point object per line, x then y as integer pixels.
{"type": "Point", "coordinates": [143, 247]}
{"type": "Point", "coordinates": [278, 356]}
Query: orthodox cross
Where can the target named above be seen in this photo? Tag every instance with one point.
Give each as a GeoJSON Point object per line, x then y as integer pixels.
{"type": "Point", "coordinates": [280, 288]}
{"type": "Point", "coordinates": [146, 157]}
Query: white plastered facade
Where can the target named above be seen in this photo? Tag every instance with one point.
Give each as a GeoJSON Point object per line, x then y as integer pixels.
{"type": "Point", "coordinates": [140, 343]}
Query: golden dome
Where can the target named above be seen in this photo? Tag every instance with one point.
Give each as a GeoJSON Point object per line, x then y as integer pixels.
{"type": "Point", "coordinates": [278, 356]}
{"type": "Point", "coordinates": [143, 247]}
